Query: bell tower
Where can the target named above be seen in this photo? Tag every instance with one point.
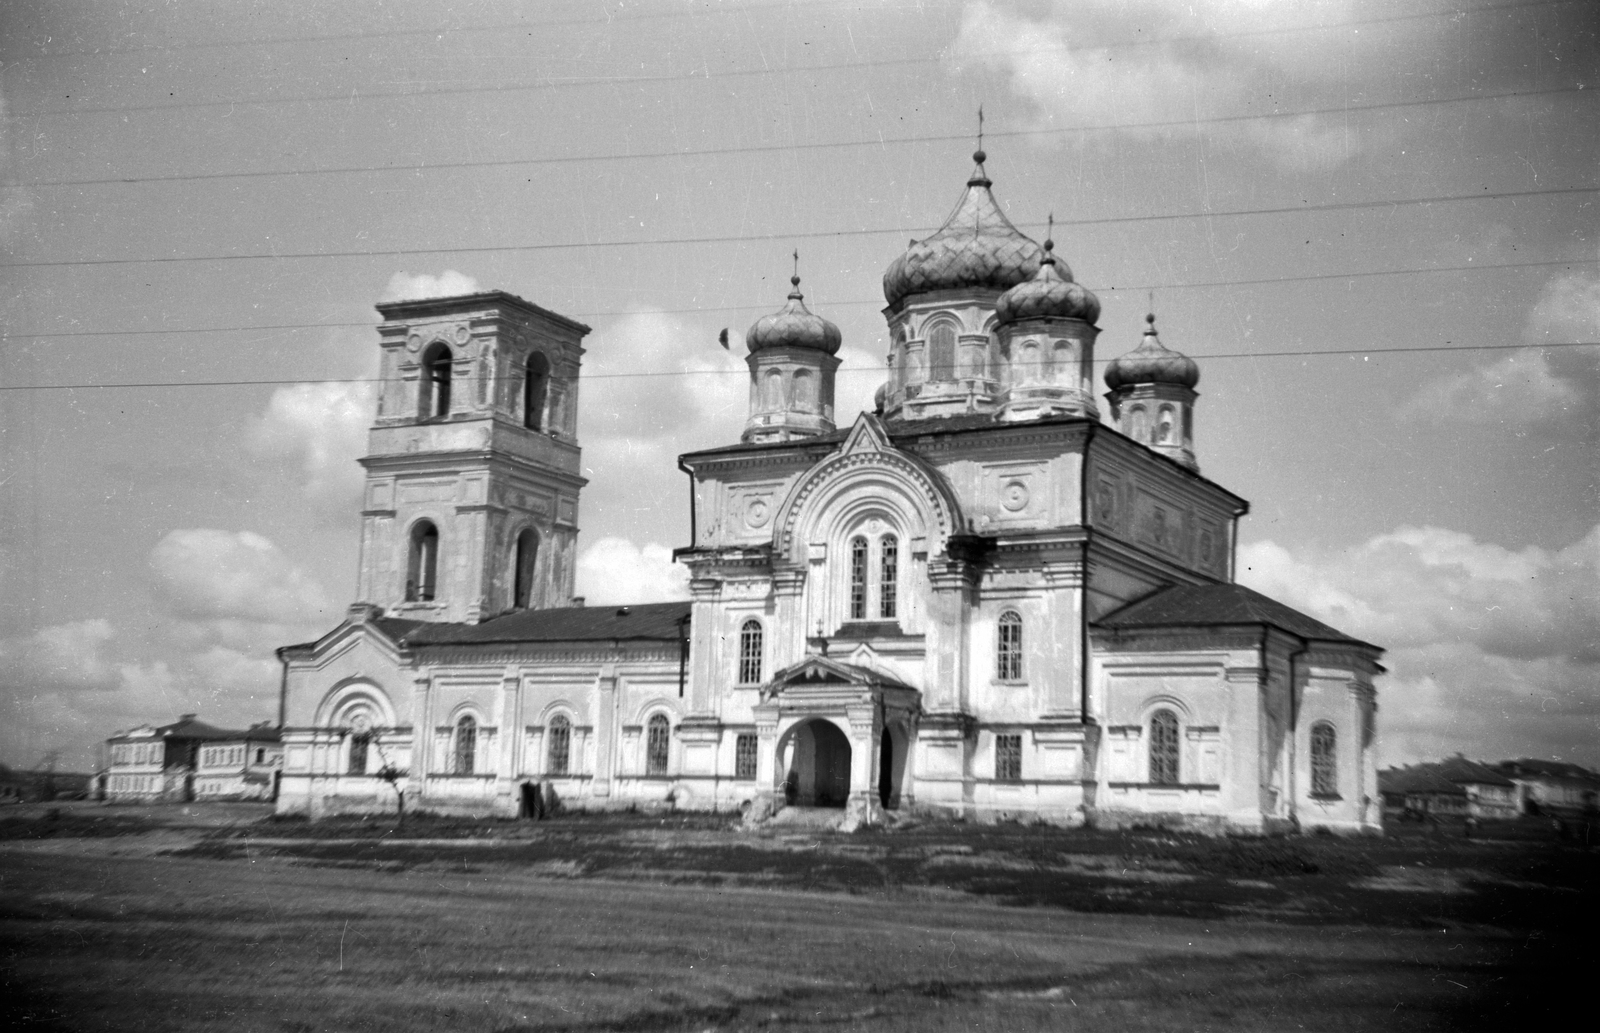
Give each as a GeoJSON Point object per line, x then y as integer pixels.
{"type": "Point", "coordinates": [471, 499]}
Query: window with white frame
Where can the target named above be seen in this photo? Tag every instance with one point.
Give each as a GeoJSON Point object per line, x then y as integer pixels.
{"type": "Point", "coordinates": [466, 745]}
{"type": "Point", "coordinates": [657, 745]}
{"type": "Point", "coordinates": [874, 576]}
{"type": "Point", "coordinates": [744, 758]}
{"type": "Point", "coordinates": [560, 745]}
{"type": "Point", "coordinates": [1324, 760]}
{"type": "Point", "coordinates": [750, 646]}
{"type": "Point", "coordinates": [1008, 646]}
{"type": "Point", "coordinates": [1164, 748]}
{"type": "Point", "coordinates": [1008, 758]}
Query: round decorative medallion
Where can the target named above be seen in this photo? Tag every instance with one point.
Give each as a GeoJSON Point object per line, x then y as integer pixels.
{"type": "Point", "coordinates": [361, 722]}
{"type": "Point", "coordinates": [1014, 496]}
{"type": "Point", "coordinates": [874, 526]}
{"type": "Point", "coordinates": [414, 342]}
{"type": "Point", "coordinates": [758, 513]}
{"type": "Point", "coordinates": [462, 334]}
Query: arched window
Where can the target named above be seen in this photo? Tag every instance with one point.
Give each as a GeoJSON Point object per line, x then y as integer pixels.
{"type": "Point", "coordinates": [1063, 362]}
{"type": "Point", "coordinates": [358, 753]}
{"type": "Point", "coordinates": [772, 391]}
{"type": "Point", "coordinates": [858, 579]}
{"type": "Point", "coordinates": [750, 652]}
{"type": "Point", "coordinates": [1188, 424]}
{"type": "Point", "coordinates": [466, 745]}
{"type": "Point", "coordinates": [888, 576]}
{"type": "Point", "coordinates": [535, 391]}
{"type": "Point", "coordinates": [560, 745]}
{"type": "Point", "coordinates": [805, 390]}
{"type": "Point", "coordinates": [422, 570]}
{"type": "Point", "coordinates": [1164, 426]}
{"type": "Point", "coordinates": [942, 352]}
{"type": "Point", "coordinates": [1008, 647]}
{"type": "Point", "coordinates": [1032, 365]}
{"type": "Point", "coordinates": [1164, 748]}
{"type": "Point", "coordinates": [526, 553]}
{"type": "Point", "coordinates": [1324, 760]}
{"type": "Point", "coordinates": [437, 364]}
{"type": "Point", "coordinates": [1139, 424]}
{"type": "Point", "coordinates": [655, 757]}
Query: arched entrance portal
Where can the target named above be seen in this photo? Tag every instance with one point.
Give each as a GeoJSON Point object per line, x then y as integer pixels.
{"type": "Point", "coordinates": [818, 769]}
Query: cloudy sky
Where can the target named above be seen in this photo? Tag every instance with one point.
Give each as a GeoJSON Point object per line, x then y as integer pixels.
{"type": "Point", "coordinates": [210, 197]}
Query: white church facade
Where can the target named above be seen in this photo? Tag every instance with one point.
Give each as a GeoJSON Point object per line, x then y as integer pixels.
{"type": "Point", "coordinates": [985, 599]}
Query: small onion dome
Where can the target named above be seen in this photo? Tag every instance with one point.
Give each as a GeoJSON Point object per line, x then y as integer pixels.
{"type": "Point", "coordinates": [793, 326]}
{"type": "Point", "coordinates": [976, 247]}
{"type": "Point", "coordinates": [1152, 363]}
{"type": "Point", "coordinates": [880, 398]}
{"type": "Point", "coordinates": [1047, 295]}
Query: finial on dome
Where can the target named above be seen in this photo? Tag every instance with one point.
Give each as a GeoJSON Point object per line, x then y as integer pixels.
{"type": "Point", "coordinates": [1150, 318]}
{"type": "Point", "coordinates": [794, 281]}
{"type": "Point", "coordinates": [1049, 242]}
{"type": "Point", "coordinates": [980, 178]}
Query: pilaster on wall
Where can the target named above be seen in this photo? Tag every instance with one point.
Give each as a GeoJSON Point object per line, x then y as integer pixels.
{"type": "Point", "coordinates": [605, 729]}
{"type": "Point", "coordinates": [787, 636]}
{"type": "Point", "coordinates": [704, 655]}
{"type": "Point", "coordinates": [953, 584]}
{"type": "Point", "coordinates": [1246, 777]}
{"type": "Point", "coordinates": [1063, 680]}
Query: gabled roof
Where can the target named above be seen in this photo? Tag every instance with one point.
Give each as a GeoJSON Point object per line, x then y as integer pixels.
{"type": "Point", "coordinates": [1527, 767]}
{"type": "Point", "coordinates": [1445, 776]}
{"type": "Point", "coordinates": [656, 622]}
{"type": "Point", "coordinates": [816, 669]}
{"type": "Point", "coordinates": [1209, 606]}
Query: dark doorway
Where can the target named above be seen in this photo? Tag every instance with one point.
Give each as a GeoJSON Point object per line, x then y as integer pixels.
{"type": "Point", "coordinates": [819, 765]}
{"type": "Point", "coordinates": [886, 769]}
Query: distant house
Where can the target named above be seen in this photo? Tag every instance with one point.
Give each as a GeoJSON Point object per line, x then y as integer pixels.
{"type": "Point", "coordinates": [1455, 787]}
{"type": "Point", "coordinates": [1553, 787]}
{"type": "Point", "coordinates": [193, 760]}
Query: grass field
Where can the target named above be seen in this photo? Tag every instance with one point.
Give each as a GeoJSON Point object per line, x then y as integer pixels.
{"type": "Point", "coordinates": [113, 920]}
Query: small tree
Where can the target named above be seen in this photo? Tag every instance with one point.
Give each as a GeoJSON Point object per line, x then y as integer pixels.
{"type": "Point", "coordinates": [391, 774]}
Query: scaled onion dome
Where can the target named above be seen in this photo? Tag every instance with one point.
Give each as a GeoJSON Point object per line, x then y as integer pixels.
{"type": "Point", "coordinates": [1048, 294]}
{"type": "Point", "coordinates": [793, 326]}
{"type": "Point", "coordinates": [1152, 363]}
{"type": "Point", "coordinates": [976, 247]}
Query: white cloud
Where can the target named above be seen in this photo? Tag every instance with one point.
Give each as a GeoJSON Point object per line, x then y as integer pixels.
{"type": "Point", "coordinates": [321, 428]}
{"type": "Point", "coordinates": [1493, 651]}
{"type": "Point", "coordinates": [405, 286]}
{"type": "Point", "coordinates": [212, 575]}
{"type": "Point", "coordinates": [614, 570]}
{"type": "Point", "coordinates": [1189, 61]}
{"type": "Point", "coordinates": [1550, 389]}
{"type": "Point", "coordinates": [70, 657]}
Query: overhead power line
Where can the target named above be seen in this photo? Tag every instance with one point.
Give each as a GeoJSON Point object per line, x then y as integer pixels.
{"type": "Point", "coordinates": [807, 235]}
{"type": "Point", "coordinates": [875, 302]}
{"type": "Point", "coordinates": [712, 11]}
{"type": "Point", "coordinates": [1369, 352]}
{"type": "Point", "coordinates": [704, 152]}
{"type": "Point", "coordinates": [704, 75]}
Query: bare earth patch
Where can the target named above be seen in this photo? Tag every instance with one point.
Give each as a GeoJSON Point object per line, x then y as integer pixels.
{"type": "Point", "coordinates": [659, 923]}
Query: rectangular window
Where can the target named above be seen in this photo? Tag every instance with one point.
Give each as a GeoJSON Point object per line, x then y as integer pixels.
{"type": "Point", "coordinates": [888, 576]}
{"type": "Point", "coordinates": [744, 758]}
{"type": "Point", "coordinates": [858, 579]}
{"type": "Point", "coordinates": [1008, 758]}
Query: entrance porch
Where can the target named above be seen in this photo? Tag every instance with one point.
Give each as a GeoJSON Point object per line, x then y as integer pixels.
{"type": "Point", "coordinates": [836, 735]}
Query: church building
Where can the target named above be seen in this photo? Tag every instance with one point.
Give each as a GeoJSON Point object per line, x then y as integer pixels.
{"type": "Point", "coordinates": [994, 597]}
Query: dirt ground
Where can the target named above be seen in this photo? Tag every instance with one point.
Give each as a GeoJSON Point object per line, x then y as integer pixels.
{"type": "Point", "coordinates": [169, 918]}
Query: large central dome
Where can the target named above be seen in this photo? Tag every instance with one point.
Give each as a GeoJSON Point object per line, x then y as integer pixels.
{"type": "Point", "coordinates": [976, 247]}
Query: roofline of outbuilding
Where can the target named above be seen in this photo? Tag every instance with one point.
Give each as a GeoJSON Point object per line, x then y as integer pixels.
{"type": "Point", "coordinates": [422, 307]}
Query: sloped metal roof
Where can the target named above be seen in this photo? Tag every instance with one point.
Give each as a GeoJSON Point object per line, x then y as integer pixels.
{"type": "Point", "coordinates": [1204, 606]}
{"type": "Point", "coordinates": [659, 622]}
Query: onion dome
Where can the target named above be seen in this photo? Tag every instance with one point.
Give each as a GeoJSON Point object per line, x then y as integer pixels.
{"type": "Point", "coordinates": [793, 326]}
{"type": "Point", "coordinates": [1152, 363]}
{"type": "Point", "coordinates": [1048, 294]}
{"type": "Point", "coordinates": [976, 247]}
